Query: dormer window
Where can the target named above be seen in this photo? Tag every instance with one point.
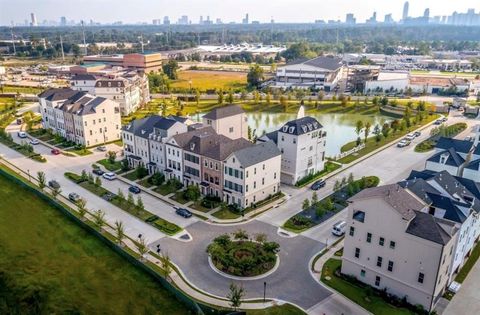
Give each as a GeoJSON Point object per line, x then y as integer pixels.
{"type": "Point", "coordinates": [304, 128]}
{"type": "Point", "coordinates": [291, 129]}
{"type": "Point", "coordinates": [443, 158]}
{"type": "Point", "coordinates": [285, 128]}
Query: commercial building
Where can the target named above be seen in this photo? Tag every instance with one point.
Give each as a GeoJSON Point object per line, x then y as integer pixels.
{"type": "Point", "coordinates": [322, 72]}
{"type": "Point", "coordinates": [85, 119]}
{"type": "Point", "coordinates": [392, 243]}
{"type": "Point", "coordinates": [146, 62]}
{"type": "Point", "coordinates": [359, 75]}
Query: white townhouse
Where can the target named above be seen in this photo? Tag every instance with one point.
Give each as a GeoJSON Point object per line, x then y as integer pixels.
{"type": "Point", "coordinates": [122, 91]}
{"type": "Point", "coordinates": [393, 243]}
{"type": "Point", "coordinates": [323, 72]}
{"type": "Point", "coordinates": [229, 121]}
{"type": "Point", "coordinates": [83, 82]}
{"type": "Point", "coordinates": [252, 174]}
{"type": "Point", "coordinates": [50, 100]}
{"type": "Point", "coordinates": [302, 143]}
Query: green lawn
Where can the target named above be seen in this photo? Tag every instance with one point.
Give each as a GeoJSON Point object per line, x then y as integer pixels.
{"type": "Point", "coordinates": [178, 197]}
{"type": "Point", "coordinates": [64, 269]}
{"type": "Point", "coordinates": [81, 152]}
{"type": "Point", "coordinates": [132, 176]}
{"type": "Point", "coordinates": [286, 309]}
{"type": "Point", "coordinates": [225, 214]}
{"type": "Point", "coordinates": [165, 189]}
{"type": "Point", "coordinates": [357, 294]}
{"type": "Point", "coordinates": [112, 167]}
{"type": "Point", "coordinates": [329, 167]}
{"type": "Point", "coordinates": [469, 264]}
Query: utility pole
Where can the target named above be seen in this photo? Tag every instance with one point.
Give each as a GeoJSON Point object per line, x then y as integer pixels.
{"type": "Point", "coordinates": [61, 46]}
{"type": "Point", "coordinates": [13, 41]}
{"type": "Point", "coordinates": [84, 42]}
{"type": "Point", "coordinates": [141, 42]}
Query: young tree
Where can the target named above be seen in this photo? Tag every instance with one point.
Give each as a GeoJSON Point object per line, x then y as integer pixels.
{"type": "Point", "coordinates": [377, 132]}
{"type": "Point", "coordinates": [82, 208]}
{"type": "Point", "coordinates": [320, 95]}
{"type": "Point", "coordinates": [120, 195]}
{"type": "Point", "coordinates": [119, 232]}
{"type": "Point", "coordinates": [84, 176]}
{"type": "Point", "coordinates": [284, 103]}
{"type": "Point", "coordinates": [130, 200]}
{"type": "Point", "coordinates": [358, 127]}
{"type": "Point", "coordinates": [197, 97]}
{"type": "Point", "coordinates": [268, 99]}
{"type": "Point", "coordinates": [350, 178]}
{"type": "Point", "coordinates": [230, 97]}
{"type": "Point", "coordinates": [140, 205]}
{"type": "Point", "coordinates": [98, 181]}
{"type": "Point", "coordinates": [240, 234]}
{"type": "Point", "coordinates": [385, 130]}
{"type": "Point", "coordinates": [255, 76]}
{"type": "Point", "coordinates": [314, 198]}
{"type": "Point", "coordinates": [142, 248]}
{"type": "Point", "coordinates": [111, 156]}
{"type": "Point", "coordinates": [235, 296]}
{"type": "Point", "coordinates": [192, 193]}
{"type": "Point", "coordinates": [41, 180]}
{"type": "Point", "coordinates": [99, 218]}
{"type": "Point", "coordinates": [220, 96]}
{"type": "Point", "coordinates": [170, 69]}
{"type": "Point", "coordinates": [366, 131]}
{"type": "Point", "coordinates": [305, 204]}
{"type": "Point", "coordinates": [166, 265]}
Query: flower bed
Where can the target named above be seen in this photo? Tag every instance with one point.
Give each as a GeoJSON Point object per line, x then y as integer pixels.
{"type": "Point", "coordinates": [242, 257]}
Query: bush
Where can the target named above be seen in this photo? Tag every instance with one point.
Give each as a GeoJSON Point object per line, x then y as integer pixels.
{"type": "Point", "coordinates": [167, 227]}
{"type": "Point", "coordinates": [156, 179]}
{"type": "Point", "coordinates": [192, 193]}
{"type": "Point", "coordinates": [74, 177]}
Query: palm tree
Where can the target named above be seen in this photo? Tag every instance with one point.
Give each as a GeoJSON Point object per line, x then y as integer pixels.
{"type": "Point", "coordinates": [142, 248]}
{"type": "Point", "coordinates": [120, 232]}
{"type": "Point", "coordinates": [240, 234]}
{"type": "Point", "coordinates": [367, 131]}
{"type": "Point", "coordinates": [82, 210]}
{"type": "Point", "coordinates": [99, 218]}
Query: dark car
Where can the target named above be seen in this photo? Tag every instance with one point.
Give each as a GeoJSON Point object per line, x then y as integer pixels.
{"type": "Point", "coordinates": [54, 184]}
{"type": "Point", "coordinates": [134, 189]}
{"type": "Point", "coordinates": [108, 196]}
{"type": "Point", "coordinates": [183, 212]}
{"type": "Point", "coordinates": [98, 172]}
{"type": "Point", "coordinates": [73, 197]}
{"type": "Point", "coordinates": [318, 184]}
{"type": "Point", "coordinates": [417, 133]}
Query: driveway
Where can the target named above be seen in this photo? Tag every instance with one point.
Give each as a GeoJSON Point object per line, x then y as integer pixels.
{"type": "Point", "coordinates": [291, 282]}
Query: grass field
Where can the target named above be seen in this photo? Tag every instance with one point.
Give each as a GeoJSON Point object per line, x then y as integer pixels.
{"type": "Point", "coordinates": [210, 80]}
{"type": "Point", "coordinates": [46, 256]}
{"type": "Point", "coordinates": [22, 90]}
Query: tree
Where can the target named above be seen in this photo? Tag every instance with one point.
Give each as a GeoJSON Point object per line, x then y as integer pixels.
{"type": "Point", "coordinates": [197, 97]}
{"type": "Point", "coordinates": [99, 218]}
{"type": "Point", "coordinates": [41, 180]}
{"type": "Point", "coordinates": [230, 97]}
{"type": "Point", "coordinates": [314, 198]}
{"type": "Point", "coordinates": [192, 193]}
{"type": "Point", "coordinates": [350, 178]}
{"type": "Point", "coordinates": [385, 130]}
{"type": "Point", "coordinates": [240, 234]}
{"type": "Point", "coordinates": [140, 205]}
{"type": "Point", "coordinates": [305, 204]}
{"type": "Point", "coordinates": [98, 181]}
{"type": "Point", "coordinates": [84, 176]}
{"type": "Point", "coordinates": [157, 179]}
{"type": "Point", "coordinates": [235, 296]}
{"type": "Point", "coordinates": [55, 192]}
{"type": "Point", "coordinates": [120, 195]}
{"type": "Point", "coordinates": [407, 114]}
{"type": "Point", "coordinates": [284, 103]}
{"type": "Point", "coordinates": [268, 99]}
{"type": "Point", "coordinates": [261, 238]}
{"type": "Point", "coordinates": [377, 132]}
{"type": "Point", "coordinates": [358, 127]}
{"type": "Point", "coordinates": [166, 265]}
{"type": "Point", "coordinates": [367, 130]}
{"type": "Point", "coordinates": [119, 232]}
{"type": "Point", "coordinates": [337, 186]}
{"type": "Point", "coordinates": [111, 155]}
{"type": "Point", "coordinates": [82, 208]}
{"type": "Point", "coordinates": [320, 95]}
{"type": "Point", "coordinates": [170, 69]}
{"type": "Point", "coordinates": [220, 96]}
{"type": "Point", "coordinates": [255, 76]}
{"type": "Point", "coordinates": [141, 171]}
{"type": "Point", "coordinates": [130, 200]}
{"type": "Point", "coordinates": [142, 248]}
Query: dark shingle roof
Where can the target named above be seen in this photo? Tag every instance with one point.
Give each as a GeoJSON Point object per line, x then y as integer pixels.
{"type": "Point", "coordinates": [301, 125]}
{"type": "Point", "coordinates": [258, 153]}
{"type": "Point", "coordinates": [461, 146]}
{"type": "Point", "coordinates": [142, 127]}
{"type": "Point", "coordinates": [453, 158]}
{"type": "Point", "coordinates": [224, 148]}
{"type": "Point", "coordinates": [474, 165]}
{"type": "Point", "coordinates": [404, 202]}
{"type": "Point", "coordinates": [83, 77]}
{"type": "Point", "coordinates": [57, 94]}
{"type": "Point", "coordinates": [324, 62]}
{"type": "Point", "coordinates": [222, 112]}
{"type": "Point", "coordinates": [430, 228]}
{"type": "Point", "coordinates": [183, 138]}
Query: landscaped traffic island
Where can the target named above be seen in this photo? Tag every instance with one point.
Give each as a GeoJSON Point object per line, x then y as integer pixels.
{"type": "Point", "coordinates": [241, 256]}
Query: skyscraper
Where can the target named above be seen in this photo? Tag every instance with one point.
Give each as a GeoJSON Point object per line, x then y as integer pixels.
{"type": "Point", "coordinates": [426, 13]}
{"type": "Point", "coordinates": [245, 20]}
{"type": "Point", "coordinates": [63, 21]}
{"type": "Point", "coordinates": [33, 21]}
{"type": "Point", "coordinates": [405, 11]}
{"type": "Point", "coordinates": [350, 19]}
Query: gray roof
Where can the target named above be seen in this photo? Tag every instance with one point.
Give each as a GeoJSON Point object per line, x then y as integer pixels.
{"type": "Point", "coordinates": [453, 158]}
{"type": "Point", "coordinates": [301, 126]}
{"type": "Point", "coordinates": [183, 138]}
{"type": "Point", "coordinates": [142, 127]}
{"type": "Point", "coordinates": [57, 94]}
{"type": "Point", "coordinates": [224, 148]}
{"type": "Point", "coordinates": [225, 111]}
{"type": "Point", "coordinates": [399, 198]}
{"type": "Point", "coordinates": [324, 62]}
{"type": "Point", "coordinates": [428, 227]}
{"type": "Point", "coordinates": [83, 77]}
{"type": "Point", "coordinates": [462, 146]}
{"type": "Point", "coordinates": [269, 136]}
{"type": "Point", "coordinates": [82, 104]}
{"type": "Point", "coordinates": [474, 165]}
{"type": "Point", "coordinates": [256, 154]}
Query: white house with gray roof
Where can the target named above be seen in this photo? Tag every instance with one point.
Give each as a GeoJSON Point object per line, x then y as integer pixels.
{"type": "Point", "coordinates": [322, 72]}
{"type": "Point", "coordinates": [252, 174]}
{"type": "Point", "coordinates": [393, 243]}
{"type": "Point", "coordinates": [229, 121]}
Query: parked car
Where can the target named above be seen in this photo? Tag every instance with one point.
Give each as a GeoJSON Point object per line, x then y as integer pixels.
{"type": "Point", "coordinates": [134, 189]}
{"type": "Point", "coordinates": [183, 212]}
{"type": "Point", "coordinates": [98, 172]}
{"type": "Point", "coordinates": [318, 184]}
{"type": "Point", "coordinates": [34, 142]}
{"type": "Point", "coordinates": [444, 119]}
{"type": "Point", "coordinates": [108, 196]}
{"type": "Point", "coordinates": [403, 143]}
{"type": "Point", "coordinates": [55, 151]}
{"type": "Point", "coordinates": [417, 133]}
{"type": "Point", "coordinates": [73, 197]}
{"type": "Point", "coordinates": [438, 122]}
{"type": "Point", "coordinates": [410, 137]}
{"type": "Point", "coordinates": [54, 184]}
{"type": "Point", "coordinates": [339, 228]}
{"type": "Point", "coordinates": [109, 176]}
{"type": "Point", "coordinates": [22, 134]}
{"type": "Point", "coordinates": [102, 148]}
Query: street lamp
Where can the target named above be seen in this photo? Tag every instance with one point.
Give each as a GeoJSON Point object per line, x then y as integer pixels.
{"type": "Point", "coordinates": [264, 290]}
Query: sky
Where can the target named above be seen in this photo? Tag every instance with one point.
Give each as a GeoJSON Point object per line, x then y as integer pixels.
{"type": "Point", "coordinates": [132, 11]}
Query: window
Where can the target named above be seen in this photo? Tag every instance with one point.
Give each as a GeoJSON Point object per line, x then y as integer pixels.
{"type": "Point", "coordinates": [362, 273]}
{"type": "Point", "coordinates": [379, 261]}
{"type": "Point", "coordinates": [357, 252]}
{"type": "Point", "coordinates": [275, 175]}
{"type": "Point", "coordinates": [369, 237]}
{"type": "Point", "coordinates": [390, 266]}
{"type": "Point", "coordinates": [263, 181]}
{"type": "Point", "coordinates": [381, 241]}
{"type": "Point", "coordinates": [377, 281]}
{"type": "Point", "coordinates": [392, 244]}
{"type": "Point", "coordinates": [352, 231]}
{"type": "Point", "coordinates": [421, 276]}
{"type": "Point", "coordinates": [359, 216]}
{"type": "Point", "coordinates": [230, 129]}
{"type": "Point", "coordinates": [263, 166]}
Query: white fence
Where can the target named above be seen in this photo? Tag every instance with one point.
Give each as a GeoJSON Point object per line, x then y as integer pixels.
{"type": "Point", "coordinates": [351, 151]}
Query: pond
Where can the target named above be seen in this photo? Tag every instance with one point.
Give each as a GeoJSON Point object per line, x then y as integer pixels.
{"type": "Point", "coordinates": [340, 128]}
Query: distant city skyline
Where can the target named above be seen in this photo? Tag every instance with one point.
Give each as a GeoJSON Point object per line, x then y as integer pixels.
{"type": "Point", "coordinates": [279, 10]}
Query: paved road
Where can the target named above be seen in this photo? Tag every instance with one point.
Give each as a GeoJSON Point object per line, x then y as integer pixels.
{"type": "Point", "coordinates": [291, 281]}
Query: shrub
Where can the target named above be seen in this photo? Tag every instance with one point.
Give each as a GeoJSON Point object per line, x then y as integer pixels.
{"type": "Point", "coordinates": [156, 179]}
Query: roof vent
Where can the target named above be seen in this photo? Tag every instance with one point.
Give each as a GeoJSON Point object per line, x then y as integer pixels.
{"type": "Point", "coordinates": [143, 131]}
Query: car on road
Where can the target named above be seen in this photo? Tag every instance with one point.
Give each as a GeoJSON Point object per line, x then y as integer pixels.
{"type": "Point", "coordinates": [417, 133]}
{"type": "Point", "coordinates": [54, 184]}
{"type": "Point", "coordinates": [22, 134]}
{"type": "Point", "coordinates": [410, 137]}
{"type": "Point", "coordinates": [318, 184]}
{"type": "Point", "coordinates": [403, 143]}
{"type": "Point", "coordinates": [34, 142]}
{"type": "Point", "coordinates": [73, 197]}
{"type": "Point", "coordinates": [102, 148]}
{"type": "Point", "coordinates": [98, 172]}
{"type": "Point", "coordinates": [444, 119]}
{"type": "Point", "coordinates": [438, 122]}
{"type": "Point", "coordinates": [339, 228]}
{"type": "Point", "coordinates": [55, 151]}
{"type": "Point", "coordinates": [134, 189]}
{"type": "Point", "coordinates": [109, 176]}
{"type": "Point", "coordinates": [183, 213]}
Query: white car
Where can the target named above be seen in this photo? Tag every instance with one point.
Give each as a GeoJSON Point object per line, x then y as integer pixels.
{"type": "Point", "coordinates": [403, 143]}
{"type": "Point", "coordinates": [34, 142]}
{"type": "Point", "coordinates": [410, 137]}
{"type": "Point", "coordinates": [109, 176]}
{"type": "Point", "coordinates": [22, 134]}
